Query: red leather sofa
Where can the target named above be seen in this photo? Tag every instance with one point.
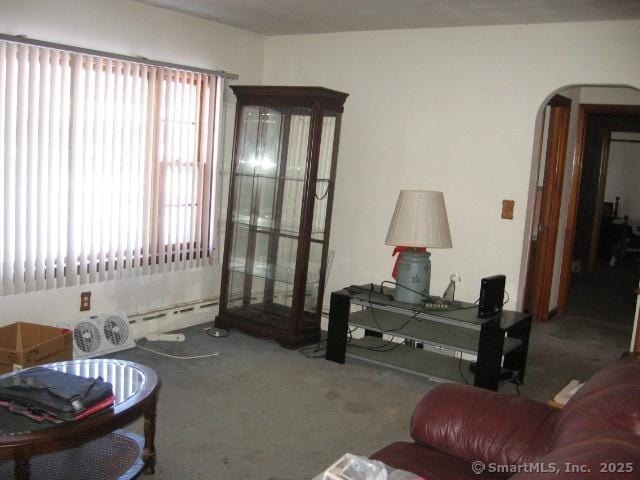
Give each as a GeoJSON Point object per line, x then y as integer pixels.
{"type": "Point", "coordinates": [595, 436]}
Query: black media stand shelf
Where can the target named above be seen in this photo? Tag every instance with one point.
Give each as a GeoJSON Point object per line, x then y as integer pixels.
{"type": "Point", "coordinates": [434, 337]}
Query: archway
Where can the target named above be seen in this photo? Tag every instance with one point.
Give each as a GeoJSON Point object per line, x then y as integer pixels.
{"type": "Point", "coordinates": [577, 198]}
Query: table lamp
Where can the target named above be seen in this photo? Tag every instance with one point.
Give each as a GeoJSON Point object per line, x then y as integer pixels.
{"type": "Point", "coordinates": [419, 222]}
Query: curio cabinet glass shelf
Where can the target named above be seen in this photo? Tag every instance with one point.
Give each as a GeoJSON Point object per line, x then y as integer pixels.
{"type": "Point", "coordinates": [279, 214]}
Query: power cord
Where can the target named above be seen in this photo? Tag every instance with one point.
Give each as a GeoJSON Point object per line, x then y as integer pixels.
{"type": "Point", "coordinates": [473, 305]}
{"type": "Point", "coordinates": [508, 298]}
{"type": "Point", "coordinates": [516, 381]}
{"type": "Point", "coordinates": [177, 357]}
{"type": "Point", "coordinates": [382, 348]}
{"type": "Point", "coordinates": [319, 347]}
{"type": "Point", "coordinates": [226, 332]}
{"type": "Point", "coordinates": [460, 369]}
{"type": "Point", "coordinates": [192, 357]}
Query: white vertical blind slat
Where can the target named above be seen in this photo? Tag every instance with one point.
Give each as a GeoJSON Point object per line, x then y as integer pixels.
{"type": "Point", "coordinates": [97, 252]}
{"type": "Point", "coordinates": [181, 165]}
{"type": "Point", "coordinates": [126, 172]}
{"type": "Point", "coordinates": [201, 152]}
{"type": "Point", "coordinates": [146, 137]}
{"type": "Point", "coordinates": [169, 145]}
{"type": "Point", "coordinates": [9, 166]}
{"type": "Point", "coordinates": [21, 171]}
{"type": "Point", "coordinates": [87, 258]}
{"type": "Point", "coordinates": [75, 163]}
{"type": "Point", "coordinates": [212, 159]}
{"type": "Point", "coordinates": [115, 267]}
{"type": "Point", "coordinates": [209, 151]}
{"type": "Point", "coordinates": [64, 127]}
{"type": "Point", "coordinates": [194, 194]}
{"type": "Point", "coordinates": [43, 181]}
{"type": "Point", "coordinates": [106, 268]}
{"type": "Point", "coordinates": [56, 229]}
{"type": "Point", "coordinates": [191, 192]}
{"type": "Point", "coordinates": [136, 180]}
{"type": "Point", "coordinates": [32, 99]}
{"type": "Point", "coordinates": [175, 174]}
{"type": "Point", "coordinates": [3, 227]}
{"type": "Point", "coordinates": [154, 132]}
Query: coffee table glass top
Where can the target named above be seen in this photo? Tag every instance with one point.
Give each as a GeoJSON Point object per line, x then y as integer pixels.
{"type": "Point", "coordinates": [127, 381]}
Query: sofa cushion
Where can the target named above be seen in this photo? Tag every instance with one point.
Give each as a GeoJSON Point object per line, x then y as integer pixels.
{"type": "Point", "coordinates": [609, 401]}
{"type": "Point", "coordinates": [428, 462]}
{"type": "Point", "coordinates": [475, 424]}
{"type": "Point", "coordinates": [602, 457]}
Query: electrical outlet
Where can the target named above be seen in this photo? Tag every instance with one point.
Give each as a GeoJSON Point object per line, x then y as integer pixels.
{"type": "Point", "coordinates": [85, 301]}
{"type": "Point", "coordinates": [507, 209]}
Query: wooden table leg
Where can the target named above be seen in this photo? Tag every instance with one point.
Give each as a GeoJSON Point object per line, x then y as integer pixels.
{"type": "Point", "coordinates": [21, 469]}
{"type": "Point", "coordinates": [149, 452]}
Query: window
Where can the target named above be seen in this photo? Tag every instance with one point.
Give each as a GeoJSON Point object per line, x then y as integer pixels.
{"type": "Point", "coordinates": [106, 167]}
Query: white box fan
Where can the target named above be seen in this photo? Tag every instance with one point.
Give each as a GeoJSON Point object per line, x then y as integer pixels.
{"type": "Point", "coordinates": [100, 335]}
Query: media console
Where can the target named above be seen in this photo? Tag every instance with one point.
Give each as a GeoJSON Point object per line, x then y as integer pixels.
{"type": "Point", "coordinates": [436, 337]}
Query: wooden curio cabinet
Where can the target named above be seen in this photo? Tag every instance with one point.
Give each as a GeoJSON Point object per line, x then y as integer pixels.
{"type": "Point", "coordinates": [279, 211]}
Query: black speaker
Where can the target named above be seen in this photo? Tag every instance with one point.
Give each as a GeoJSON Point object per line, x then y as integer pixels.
{"type": "Point", "coordinates": [491, 296]}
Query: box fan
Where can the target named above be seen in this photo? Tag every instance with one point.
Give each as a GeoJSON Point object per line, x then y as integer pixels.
{"type": "Point", "coordinates": [100, 334]}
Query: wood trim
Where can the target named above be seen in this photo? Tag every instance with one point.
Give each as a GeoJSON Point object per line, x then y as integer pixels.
{"type": "Point", "coordinates": [533, 243]}
{"type": "Point", "coordinates": [636, 347]}
{"type": "Point", "coordinates": [550, 208]}
{"type": "Point", "coordinates": [284, 96]}
{"type": "Point", "coordinates": [597, 211]}
{"type": "Point", "coordinates": [611, 109]}
{"type": "Point", "coordinates": [572, 211]}
{"type": "Point", "coordinates": [559, 101]}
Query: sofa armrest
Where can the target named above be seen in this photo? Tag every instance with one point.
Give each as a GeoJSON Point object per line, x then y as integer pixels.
{"type": "Point", "coordinates": [476, 424]}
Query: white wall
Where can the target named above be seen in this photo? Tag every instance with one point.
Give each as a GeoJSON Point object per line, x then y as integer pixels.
{"type": "Point", "coordinates": [450, 109]}
{"type": "Point", "coordinates": [623, 176]}
{"type": "Point", "coordinates": [128, 28]}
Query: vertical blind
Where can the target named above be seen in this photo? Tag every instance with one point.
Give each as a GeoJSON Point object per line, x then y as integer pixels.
{"type": "Point", "coordinates": [106, 167]}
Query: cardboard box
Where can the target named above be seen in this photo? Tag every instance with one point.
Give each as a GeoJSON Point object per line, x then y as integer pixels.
{"type": "Point", "coordinates": [25, 344]}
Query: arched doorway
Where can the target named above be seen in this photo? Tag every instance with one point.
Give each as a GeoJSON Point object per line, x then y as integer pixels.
{"type": "Point", "coordinates": [598, 116]}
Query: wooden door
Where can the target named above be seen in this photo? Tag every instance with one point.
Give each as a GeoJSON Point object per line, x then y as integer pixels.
{"type": "Point", "coordinates": [546, 214]}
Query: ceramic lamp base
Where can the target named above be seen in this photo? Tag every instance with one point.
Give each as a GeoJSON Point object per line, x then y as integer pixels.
{"type": "Point", "coordinates": [414, 276]}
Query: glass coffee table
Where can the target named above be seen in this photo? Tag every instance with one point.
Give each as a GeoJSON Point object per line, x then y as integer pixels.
{"type": "Point", "coordinates": [93, 447]}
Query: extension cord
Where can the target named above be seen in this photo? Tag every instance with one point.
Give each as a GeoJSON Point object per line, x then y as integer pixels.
{"type": "Point", "coordinates": [165, 337]}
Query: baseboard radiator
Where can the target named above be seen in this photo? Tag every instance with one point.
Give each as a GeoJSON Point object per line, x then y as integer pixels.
{"type": "Point", "coordinates": [173, 317]}
{"type": "Point", "coordinates": [182, 315]}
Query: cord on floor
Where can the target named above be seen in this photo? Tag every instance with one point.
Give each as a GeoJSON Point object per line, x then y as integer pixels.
{"type": "Point", "coordinates": [226, 332]}
{"type": "Point", "coordinates": [178, 357]}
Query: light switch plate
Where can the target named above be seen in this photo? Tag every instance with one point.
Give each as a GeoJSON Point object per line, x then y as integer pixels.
{"type": "Point", "coordinates": [507, 209]}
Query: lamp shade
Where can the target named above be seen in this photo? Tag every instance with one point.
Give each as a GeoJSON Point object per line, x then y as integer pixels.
{"type": "Point", "coordinates": [420, 220]}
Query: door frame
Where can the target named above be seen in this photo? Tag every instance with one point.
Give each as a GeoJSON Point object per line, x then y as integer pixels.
{"type": "Point", "coordinates": [542, 250]}
{"type": "Point", "coordinates": [635, 335]}
{"type": "Point", "coordinates": [574, 191]}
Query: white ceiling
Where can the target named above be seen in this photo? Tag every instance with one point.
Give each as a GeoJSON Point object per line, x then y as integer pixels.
{"type": "Point", "coordinates": [281, 17]}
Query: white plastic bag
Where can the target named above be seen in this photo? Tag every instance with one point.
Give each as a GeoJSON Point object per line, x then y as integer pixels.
{"type": "Point", "coordinates": [353, 467]}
